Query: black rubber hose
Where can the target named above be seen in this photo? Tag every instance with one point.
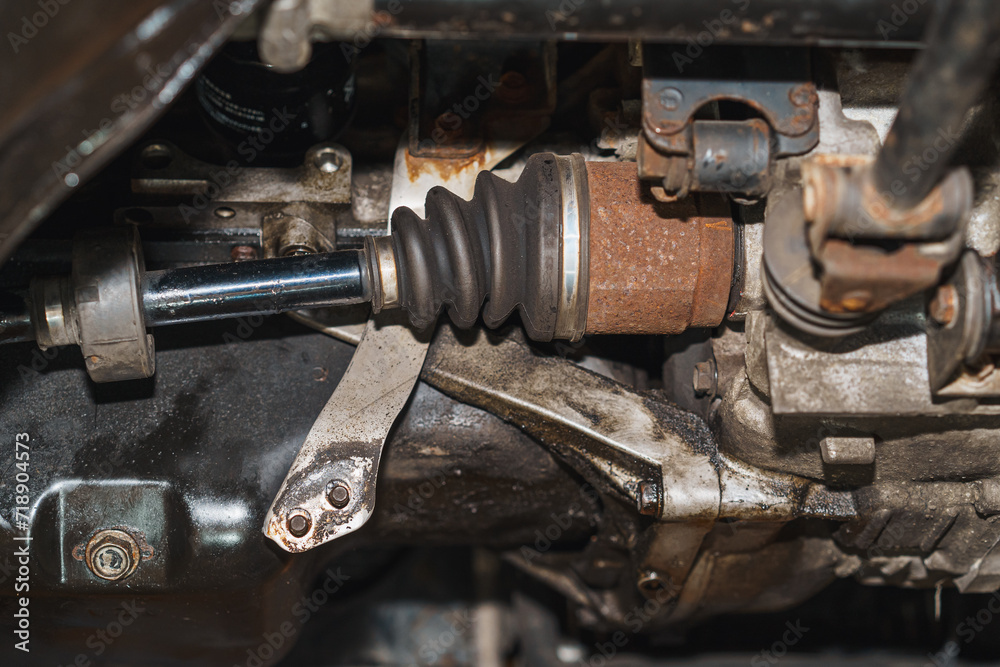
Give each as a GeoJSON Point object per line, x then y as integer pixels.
{"type": "Point", "coordinates": [502, 248]}
{"type": "Point", "coordinates": [948, 78]}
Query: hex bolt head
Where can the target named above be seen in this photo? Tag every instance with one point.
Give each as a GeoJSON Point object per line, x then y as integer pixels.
{"type": "Point", "coordinates": [112, 554]}
{"type": "Point", "coordinates": [338, 493]}
{"type": "Point", "coordinates": [705, 378]}
{"type": "Point", "coordinates": [299, 522]}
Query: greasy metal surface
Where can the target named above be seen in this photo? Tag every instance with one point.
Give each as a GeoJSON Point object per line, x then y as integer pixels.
{"type": "Point", "coordinates": [345, 444]}
{"type": "Point", "coordinates": [195, 211]}
{"type": "Point", "coordinates": [615, 435]}
{"type": "Point", "coordinates": [654, 267]}
{"type": "Point", "coordinates": [882, 371]}
{"type": "Point", "coordinates": [192, 459]}
{"type": "Point", "coordinates": [164, 169]}
{"type": "Point", "coordinates": [87, 87]}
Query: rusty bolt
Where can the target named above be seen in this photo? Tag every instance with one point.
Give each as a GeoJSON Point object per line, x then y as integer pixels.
{"type": "Point", "coordinates": [338, 493]}
{"type": "Point", "coordinates": [648, 499]}
{"type": "Point", "coordinates": [945, 305]}
{"type": "Point", "coordinates": [243, 253]}
{"type": "Point", "coordinates": [705, 378]}
{"type": "Point", "coordinates": [112, 554]}
{"type": "Point", "coordinates": [802, 96]}
{"type": "Point", "coordinates": [856, 301]}
{"type": "Point", "coordinates": [671, 98]}
{"type": "Point", "coordinates": [299, 522]}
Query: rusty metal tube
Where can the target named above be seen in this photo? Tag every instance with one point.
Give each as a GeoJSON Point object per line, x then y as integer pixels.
{"type": "Point", "coordinates": [655, 268]}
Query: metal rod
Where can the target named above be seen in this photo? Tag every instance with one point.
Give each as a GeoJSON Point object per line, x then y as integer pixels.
{"type": "Point", "coordinates": [826, 22]}
{"type": "Point", "coordinates": [15, 323]}
{"type": "Point", "coordinates": [948, 78]}
{"type": "Point", "coordinates": [267, 286]}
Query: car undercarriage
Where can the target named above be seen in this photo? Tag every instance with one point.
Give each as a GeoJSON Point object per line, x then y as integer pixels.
{"type": "Point", "coordinates": [466, 332]}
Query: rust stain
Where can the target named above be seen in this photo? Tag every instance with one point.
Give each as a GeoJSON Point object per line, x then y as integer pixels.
{"type": "Point", "coordinates": [445, 169]}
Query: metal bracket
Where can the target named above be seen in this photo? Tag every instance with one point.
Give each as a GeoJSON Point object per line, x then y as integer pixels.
{"type": "Point", "coordinates": [330, 489]}
{"type": "Point", "coordinates": [712, 153]}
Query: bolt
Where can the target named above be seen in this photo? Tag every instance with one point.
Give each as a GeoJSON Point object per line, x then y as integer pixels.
{"type": "Point", "coordinates": [945, 305]}
{"type": "Point", "coordinates": [299, 522]}
{"type": "Point", "coordinates": [671, 98]}
{"type": "Point", "coordinates": [705, 378]}
{"type": "Point", "coordinates": [338, 493]}
{"type": "Point", "coordinates": [112, 554]}
{"type": "Point", "coordinates": [243, 253]}
{"type": "Point", "coordinates": [802, 96]}
{"type": "Point", "coordinates": [649, 499]}
{"type": "Point", "coordinates": [856, 301]}
{"type": "Point", "coordinates": [513, 88]}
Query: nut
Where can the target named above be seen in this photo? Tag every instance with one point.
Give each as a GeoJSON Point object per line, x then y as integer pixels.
{"type": "Point", "coordinates": [112, 554]}
{"type": "Point", "coordinates": [649, 499]}
{"type": "Point", "coordinates": [338, 493]}
{"type": "Point", "coordinates": [299, 522]}
{"type": "Point", "coordinates": [704, 379]}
